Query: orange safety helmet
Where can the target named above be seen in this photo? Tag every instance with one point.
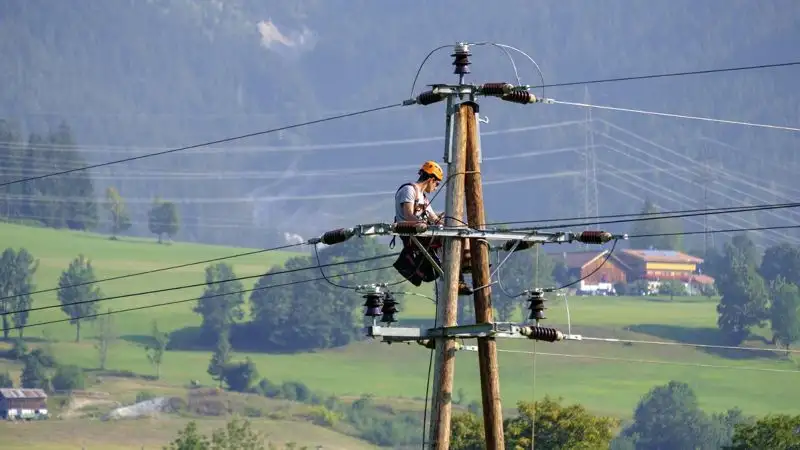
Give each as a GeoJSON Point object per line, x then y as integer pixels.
{"type": "Point", "coordinates": [432, 168]}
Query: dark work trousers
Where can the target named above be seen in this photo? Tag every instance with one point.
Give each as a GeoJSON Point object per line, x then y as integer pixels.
{"type": "Point", "coordinates": [412, 263]}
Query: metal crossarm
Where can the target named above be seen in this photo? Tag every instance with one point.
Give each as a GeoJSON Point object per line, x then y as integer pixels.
{"type": "Point", "coordinates": [496, 330]}
{"type": "Point", "coordinates": [419, 229]}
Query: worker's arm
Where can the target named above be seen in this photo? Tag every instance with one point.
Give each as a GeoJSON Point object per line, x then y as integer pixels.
{"type": "Point", "coordinates": [408, 211]}
{"type": "Point", "coordinates": [432, 216]}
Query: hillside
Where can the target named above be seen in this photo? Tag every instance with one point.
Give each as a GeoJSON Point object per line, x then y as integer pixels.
{"type": "Point", "coordinates": [570, 369]}
{"type": "Point", "coordinates": [142, 76]}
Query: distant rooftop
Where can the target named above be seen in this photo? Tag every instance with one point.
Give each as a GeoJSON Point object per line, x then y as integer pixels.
{"type": "Point", "coordinates": [22, 393]}
{"type": "Point", "coordinates": [663, 256]}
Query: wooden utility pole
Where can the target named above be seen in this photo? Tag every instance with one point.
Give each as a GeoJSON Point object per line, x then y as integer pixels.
{"type": "Point", "coordinates": [447, 307]}
{"type": "Point", "coordinates": [487, 346]}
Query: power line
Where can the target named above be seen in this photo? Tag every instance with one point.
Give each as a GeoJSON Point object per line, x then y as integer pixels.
{"type": "Point", "coordinates": [686, 344]}
{"type": "Point", "coordinates": [161, 269]}
{"type": "Point", "coordinates": [677, 116]}
{"type": "Point", "coordinates": [187, 286]}
{"type": "Point", "coordinates": [204, 144]}
{"type": "Point", "coordinates": [659, 213]}
{"type": "Point", "coordinates": [643, 361]}
{"type": "Point", "coordinates": [671, 74]}
{"type": "Point", "coordinates": [729, 230]}
{"type": "Point", "coordinates": [659, 217]}
{"type": "Point", "coordinates": [175, 302]}
{"type": "Point", "coordinates": [709, 212]}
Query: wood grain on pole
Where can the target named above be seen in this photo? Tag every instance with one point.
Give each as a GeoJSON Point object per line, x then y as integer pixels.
{"type": "Point", "coordinates": [447, 309]}
{"type": "Point", "coordinates": [487, 346]}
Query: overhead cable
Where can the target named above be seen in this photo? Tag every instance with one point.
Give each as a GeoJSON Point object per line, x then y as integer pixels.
{"type": "Point", "coordinates": [187, 286]}
{"type": "Point", "coordinates": [643, 361]}
{"type": "Point", "coordinates": [651, 216]}
{"type": "Point", "coordinates": [729, 230]}
{"type": "Point", "coordinates": [175, 302]}
{"type": "Point", "coordinates": [677, 116]}
{"type": "Point", "coordinates": [160, 269]}
{"type": "Point", "coordinates": [203, 144]}
{"type": "Point", "coordinates": [658, 213]}
{"type": "Point", "coordinates": [672, 74]}
{"type": "Point", "coordinates": [710, 212]}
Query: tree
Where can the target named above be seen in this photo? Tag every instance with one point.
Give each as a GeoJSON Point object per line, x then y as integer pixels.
{"type": "Point", "coordinates": [16, 284]}
{"type": "Point", "coordinates": [558, 426]}
{"type": "Point", "coordinates": [467, 432]}
{"type": "Point", "coordinates": [221, 303]}
{"type": "Point", "coordinates": [105, 337]}
{"type": "Point", "coordinates": [668, 416]}
{"type": "Point", "coordinates": [5, 380]}
{"type": "Point", "coordinates": [155, 350]}
{"type": "Point", "coordinates": [672, 288]}
{"type": "Point", "coordinates": [24, 269]}
{"type": "Point", "coordinates": [236, 435]}
{"type": "Point", "coordinates": [775, 431]}
{"type": "Point", "coordinates": [781, 260]}
{"type": "Point", "coordinates": [653, 231]}
{"type": "Point", "coordinates": [34, 375]}
{"type": "Point", "coordinates": [744, 294]}
{"type": "Point", "coordinates": [120, 219]}
{"type": "Point", "coordinates": [7, 288]}
{"type": "Point", "coordinates": [68, 378]}
{"type": "Point", "coordinates": [785, 313]}
{"type": "Point", "coordinates": [189, 439]}
{"type": "Point", "coordinates": [240, 376]}
{"type": "Point", "coordinates": [163, 219]}
{"type": "Point", "coordinates": [220, 359]}
{"type": "Point", "coordinates": [77, 294]}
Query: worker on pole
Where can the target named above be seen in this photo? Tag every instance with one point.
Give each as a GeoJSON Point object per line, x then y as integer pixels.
{"type": "Point", "coordinates": [412, 205]}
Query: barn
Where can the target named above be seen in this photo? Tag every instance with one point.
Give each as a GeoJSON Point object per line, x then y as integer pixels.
{"type": "Point", "coordinates": [23, 403]}
{"type": "Point", "coordinates": [599, 274]}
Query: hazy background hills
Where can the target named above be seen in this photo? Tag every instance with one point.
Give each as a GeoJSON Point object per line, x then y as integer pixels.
{"type": "Point", "coordinates": [131, 77]}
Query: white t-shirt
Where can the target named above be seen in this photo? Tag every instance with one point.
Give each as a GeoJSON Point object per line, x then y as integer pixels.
{"type": "Point", "coordinates": [410, 194]}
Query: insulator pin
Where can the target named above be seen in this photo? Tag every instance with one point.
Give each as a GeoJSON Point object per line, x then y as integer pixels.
{"type": "Point", "coordinates": [523, 245]}
{"type": "Point", "coordinates": [594, 237]}
{"type": "Point", "coordinates": [335, 236]}
{"type": "Point", "coordinates": [522, 97]}
{"type": "Point", "coordinates": [389, 309]}
{"type": "Point", "coordinates": [461, 63]}
{"type": "Point", "coordinates": [496, 89]}
{"type": "Point", "coordinates": [373, 305]}
{"type": "Point", "coordinates": [429, 98]}
{"type": "Point", "coordinates": [536, 300]}
{"type": "Point", "coordinates": [409, 227]}
{"type": "Point", "coordinates": [543, 334]}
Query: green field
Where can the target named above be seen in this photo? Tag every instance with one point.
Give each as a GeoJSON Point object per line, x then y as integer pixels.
{"type": "Point", "coordinates": [606, 377]}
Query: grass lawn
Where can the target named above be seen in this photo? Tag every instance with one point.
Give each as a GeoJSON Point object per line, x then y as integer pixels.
{"type": "Point", "coordinates": [606, 377]}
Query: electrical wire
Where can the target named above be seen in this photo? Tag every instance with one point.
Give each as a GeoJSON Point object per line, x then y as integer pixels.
{"type": "Point", "coordinates": [187, 286]}
{"type": "Point", "coordinates": [729, 230]}
{"type": "Point", "coordinates": [659, 213]}
{"type": "Point", "coordinates": [175, 302]}
{"type": "Point", "coordinates": [672, 115]}
{"type": "Point", "coordinates": [686, 344]}
{"type": "Point", "coordinates": [644, 361]}
{"type": "Point", "coordinates": [503, 289]}
{"type": "Point", "coordinates": [148, 272]}
{"type": "Point", "coordinates": [672, 216]}
{"type": "Point", "coordinates": [204, 144]}
{"type": "Point", "coordinates": [430, 370]}
{"type": "Point", "coordinates": [673, 74]}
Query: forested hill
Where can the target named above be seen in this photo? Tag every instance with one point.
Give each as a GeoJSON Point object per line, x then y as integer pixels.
{"type": "Point", "coordinates": [130, 77]}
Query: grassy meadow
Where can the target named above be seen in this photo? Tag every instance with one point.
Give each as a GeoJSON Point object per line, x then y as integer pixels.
{"type": "Point", "coordinates": [607, 377]}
